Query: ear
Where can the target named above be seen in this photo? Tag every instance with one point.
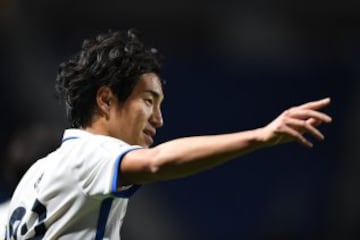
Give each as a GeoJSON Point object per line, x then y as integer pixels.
{"type": "Point", "coordinates": [104, 98]}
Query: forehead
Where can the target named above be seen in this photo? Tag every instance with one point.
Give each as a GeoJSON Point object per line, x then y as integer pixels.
{"type": "Point", "coordinates": [149, 83]}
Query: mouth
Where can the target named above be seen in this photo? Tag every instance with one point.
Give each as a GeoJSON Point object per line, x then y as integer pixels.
{"type": "Point", "coordinates": [150, 134]}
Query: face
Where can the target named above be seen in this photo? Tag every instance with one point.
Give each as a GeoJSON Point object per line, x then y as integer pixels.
{"type": "Point", "coordinates": [135, 121]}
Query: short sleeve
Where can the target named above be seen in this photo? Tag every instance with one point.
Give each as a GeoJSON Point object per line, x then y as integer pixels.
{"type": "Point", "coordinates": [98, 169]}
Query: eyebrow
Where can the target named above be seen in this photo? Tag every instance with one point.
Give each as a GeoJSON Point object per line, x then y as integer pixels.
{"type": "Point", "coordinates": [155, 94]}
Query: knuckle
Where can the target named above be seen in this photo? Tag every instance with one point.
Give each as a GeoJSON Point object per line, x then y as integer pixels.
{"type": "Point", "coordinates": [286, 121]}
{"type": "Point", "coordinates": [305, 123]}
{"type": "Point", "coordinates": [290, 111]}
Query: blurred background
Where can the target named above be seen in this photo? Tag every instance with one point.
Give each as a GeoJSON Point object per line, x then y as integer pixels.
{"type": "Point", "coordinates": [229, 66]}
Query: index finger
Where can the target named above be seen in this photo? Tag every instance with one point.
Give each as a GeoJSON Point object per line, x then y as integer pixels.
{"type": "Point", "coordinates": [314, 105]}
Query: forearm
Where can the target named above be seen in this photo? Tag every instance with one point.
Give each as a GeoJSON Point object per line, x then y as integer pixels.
{"type": "Point", "coordinates": [187, 156]}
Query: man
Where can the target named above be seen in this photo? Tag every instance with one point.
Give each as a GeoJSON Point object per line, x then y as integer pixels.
{"type": "Point", "coordinates": [113, 95]}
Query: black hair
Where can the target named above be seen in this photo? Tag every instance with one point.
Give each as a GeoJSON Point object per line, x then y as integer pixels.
{"type": "Point", "coordinates": [114, 59]}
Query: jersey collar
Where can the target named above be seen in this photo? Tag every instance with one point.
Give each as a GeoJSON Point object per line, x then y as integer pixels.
{"type": "Point", "coordinates": [73, 133]}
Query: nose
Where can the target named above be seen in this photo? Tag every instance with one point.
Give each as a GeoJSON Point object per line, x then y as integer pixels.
{"type": "Point", "coordinates": [156, 119]}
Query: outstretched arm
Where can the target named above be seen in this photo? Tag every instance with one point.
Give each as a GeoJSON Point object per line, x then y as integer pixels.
{"type": "Point", "coordinates": [187, 156]}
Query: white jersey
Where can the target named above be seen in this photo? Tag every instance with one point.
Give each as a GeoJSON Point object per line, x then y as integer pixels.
{"type": "Point", "coordinates": [72, 193]}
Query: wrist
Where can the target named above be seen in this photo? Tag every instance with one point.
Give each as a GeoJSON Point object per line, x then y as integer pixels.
{"type": "Point", "coordinates": [262, 137]}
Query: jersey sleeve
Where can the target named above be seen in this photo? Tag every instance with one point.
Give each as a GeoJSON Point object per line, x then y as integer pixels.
{"type": "Point", "coordinates": [98, 172]}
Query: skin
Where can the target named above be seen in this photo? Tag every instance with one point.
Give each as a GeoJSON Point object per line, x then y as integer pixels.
{"type": "Point", "coordinates": [136, 120]}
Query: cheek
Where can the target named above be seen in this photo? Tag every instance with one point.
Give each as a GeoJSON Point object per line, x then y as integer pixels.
{"type": "Point", "coordinates": [143, 117]}
{"type": "Point", "coordinates": [140, 118]}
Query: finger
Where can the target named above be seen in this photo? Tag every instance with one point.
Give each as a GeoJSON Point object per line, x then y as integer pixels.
{"type": "Point", "coordinates": [313, 122]}
{"type": "Point", "coordinates": [307, 113]}
{"type": "Point", "coordinates": [298, 137]}
{"type": "Point", "coordinates": [314, 132]}
{"type": "Point", "coordinates": [315, 105]}
{"type": "Point", "coordinates": [305, 126]}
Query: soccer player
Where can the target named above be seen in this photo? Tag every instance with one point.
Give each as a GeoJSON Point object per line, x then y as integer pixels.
{"type": "Point", "coordinates": [113, 93]}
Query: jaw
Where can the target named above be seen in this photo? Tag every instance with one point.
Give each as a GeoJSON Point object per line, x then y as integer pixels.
{"type": "Point", "coordinates": [147, 140]}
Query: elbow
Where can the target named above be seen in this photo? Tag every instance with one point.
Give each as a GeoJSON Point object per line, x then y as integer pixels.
{"type": "Point", "coordinates": [159, 168]}
{"type": "Point", "coordinates": [152, 169]}
{"type": "Point", "coordinates": [149, 165]}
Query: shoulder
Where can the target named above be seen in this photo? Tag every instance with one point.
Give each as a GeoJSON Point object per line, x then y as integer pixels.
{"type": "Point", "coordinates": [95, 144]}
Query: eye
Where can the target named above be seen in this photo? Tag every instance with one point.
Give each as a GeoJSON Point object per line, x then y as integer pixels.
{"type": "Point", "coordinates": [149, 101]}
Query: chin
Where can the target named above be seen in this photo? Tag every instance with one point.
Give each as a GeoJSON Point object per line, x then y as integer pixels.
{"type": "Point", "coordinates": [147, 145]}
{"type": "Point", "coordinates": [144, 144]}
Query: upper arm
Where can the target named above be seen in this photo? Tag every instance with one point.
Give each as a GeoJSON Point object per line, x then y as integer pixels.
{"type": "Point", "coordinates": [137, 167]}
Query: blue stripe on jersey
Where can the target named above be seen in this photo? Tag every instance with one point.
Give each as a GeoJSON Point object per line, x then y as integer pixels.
{"type": "Point", "coordinates": [103, 216]}
{"type": "Point", "coordinates": [69, 138]}
{"type": "Point", "coordinates": [125, 193]}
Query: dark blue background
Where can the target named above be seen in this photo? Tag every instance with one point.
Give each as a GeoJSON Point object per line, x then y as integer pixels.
{"type": "Point", "coordinates": [229, 67]}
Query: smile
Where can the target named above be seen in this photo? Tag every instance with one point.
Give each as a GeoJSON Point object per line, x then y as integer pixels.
{"type": "Point", "coordinates": [149, 136]}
